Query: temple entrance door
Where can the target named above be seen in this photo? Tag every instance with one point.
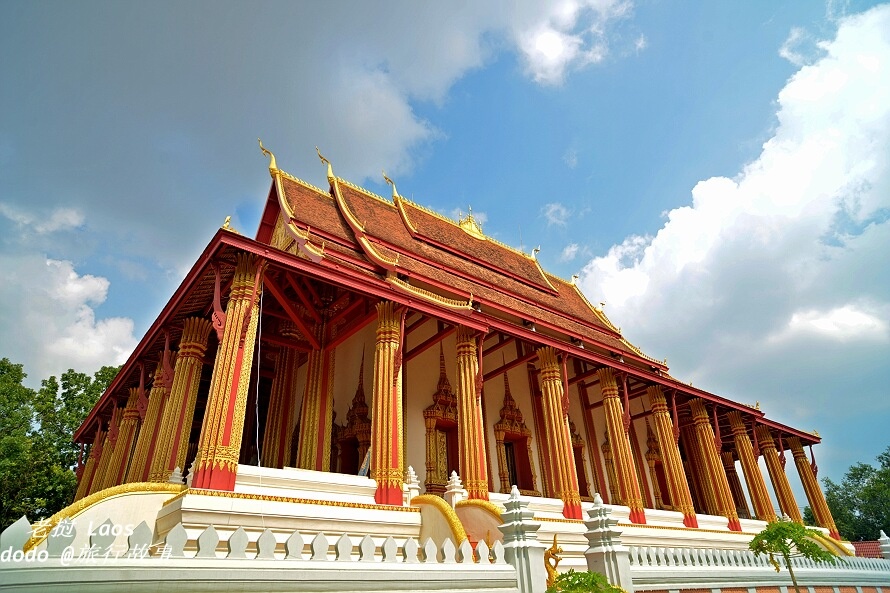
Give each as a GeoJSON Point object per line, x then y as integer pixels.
{"type": "Point", "coordinates": [349, 461]}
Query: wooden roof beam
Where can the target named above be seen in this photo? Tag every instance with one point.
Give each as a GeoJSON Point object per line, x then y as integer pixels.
{"type": "Point", "coordinates": [292, 314]}
{"type": "Point", "coordinates": [429, 342]}
{"type": "Point", "coordinates": [303, 298]}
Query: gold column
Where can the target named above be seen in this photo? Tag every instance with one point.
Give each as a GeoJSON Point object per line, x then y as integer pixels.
{"type": "Point", "coordinates": [787, 504]}
{"type": "Point", "coordinates": [812, 489]}
{"type": "Point", "coordinates": [148, 434]}
{"type": "Point", "coordinates": [735, 485]}
{"type": "Point", "coordinates": [471, 439]}
{"type": "Point", "coordinates": [89, 471]}
{"type": "Point", "coordinates": [556, 421]}
{"type": "Point", "coordinates": [763, 507]}
{"type": "Point", "coordinates": [317, 410]}
{"type": "Point", "coordinates": [100, 480]}
{"type": "Point", "coordinates": [219, 446]}
{"type": "Point", "coordinates": [126, 437]}
{"type": "Point", "coordinates": [678, 487]}
{"type": "Point", "coordinates": [387, 456]}
{"type": "Point", "coordinates": [281, 416]}
{"type": "Point", "coordinates": [172, 443]}
{"type": "Point", "coordinates": [628, 487]}
{"type": "Point", "coordinates": [710, 458]}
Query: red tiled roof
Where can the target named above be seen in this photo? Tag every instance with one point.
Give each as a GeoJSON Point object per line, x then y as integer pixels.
{"type": "Point", "coordinates": [870, 549]}
{"type": "Point", "coordinates": [432, 252]}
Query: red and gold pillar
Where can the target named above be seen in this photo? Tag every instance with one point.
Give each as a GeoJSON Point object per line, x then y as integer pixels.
{"type": "Point", "coordinates": [387, 457]}
{"type": "Point", "coordinates": [667, 437]}
{"type": "Point", "coordinates": [812, 489]}
{"type": "Point", "coordinates": [126, 438]}
{"type": "Point", "coordinates": [471, 438]}
{"type": "Point", "coordinates": [219, 446]}
{"type": "Point", "coordinates": [89, 471]}
{"type": "Point", "coordinates": [173, 435]}
{"type": "Point", "coordinates": [787, 504]}
{"type": "Point", "coordinates": [148, 434]}
{"type": "Point", "coordinates": [710, 458]}
{"type": "Point", "coordinates": [281, 416]}
{"type": "Point", "coordinates": [556, 422]}
{"type": "Point", "coordinates": [763, 507]}
{"type": "Point", "coordinates": [622, 458]}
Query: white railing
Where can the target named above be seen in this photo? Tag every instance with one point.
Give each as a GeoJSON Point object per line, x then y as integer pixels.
{"type": "Point", "coordinates": [662, 567]}
{"type": "Point", "coordinates": [126, 555]}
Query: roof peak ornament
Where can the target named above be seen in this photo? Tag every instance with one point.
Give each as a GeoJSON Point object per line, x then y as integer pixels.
{"type": "Point", "coordinates": [273, 166]}
{"type": "Point", "coordinates": [470, 225]}
{"type": "Point", "coordinates": [395, 193]}
{"type": "Point", "coordinates": [326, 162]}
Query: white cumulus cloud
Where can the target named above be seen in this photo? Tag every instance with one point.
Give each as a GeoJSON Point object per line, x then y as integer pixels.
{"type": "Point", "coordinates": [735, 285]}
{"type": "Point", "coordinates": [50, 319]}
{"type": "Point", "coordinates": [556, 214]}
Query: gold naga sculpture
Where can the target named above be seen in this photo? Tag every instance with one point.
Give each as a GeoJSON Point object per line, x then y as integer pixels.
{"type": "Point", "coordinates": [551, 560]}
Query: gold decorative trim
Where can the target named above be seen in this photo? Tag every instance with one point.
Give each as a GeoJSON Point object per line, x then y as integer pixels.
{"type": "Point", "coordinates": [399, 201]}
{"type": "Point", "coordinates": [364, 191]}
{"type": "Point", "coordinates": [486, 505]}
{"type": "Point", "coordinates": [305, 184]}
{"type": "Point", "coordinates": [832, 546]}
{"type": "Point", "coordinates": [457, 528]}
{"type": "Point", "coordinates": [291, 499]}
{"type": "Point", "coordinates": [456, 304]}
{"type": "Point", "coordinates": [557, 520]}
{"type": "Point", "coordinates": [78, 507]}
{"type": "Point", "coordinates": [369, 248]}
{"type": "Point", "coordinates": [641, 353]}
{"type": "Point", "coordinates": [698, 529]}
{"type": "Point", "coordinates": [600, 314]}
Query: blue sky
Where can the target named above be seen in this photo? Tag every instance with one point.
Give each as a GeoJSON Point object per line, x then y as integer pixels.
{"type": "Point", "coordinates": [716, 172]}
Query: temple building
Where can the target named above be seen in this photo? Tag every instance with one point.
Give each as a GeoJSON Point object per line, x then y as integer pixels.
{"type": "Point", "coordinates": [360, 344]}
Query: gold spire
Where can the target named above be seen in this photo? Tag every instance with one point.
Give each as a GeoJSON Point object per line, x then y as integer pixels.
{"type": "Point", "coordinates": [273, 166]}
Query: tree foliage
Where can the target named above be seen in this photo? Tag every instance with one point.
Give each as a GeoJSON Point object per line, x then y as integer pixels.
{"type": "Point", "coordinates": [787, 539]}
{"type": "Point", "coordinates": [860, 504]}
{"type": "Point", "coordinates": [582, 582]}
{"type": "Point", "coordinates": [37, 453]}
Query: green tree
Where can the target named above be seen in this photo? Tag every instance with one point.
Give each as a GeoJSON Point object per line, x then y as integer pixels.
{"type": "Point", "coordinates": [788, 539]}
{"type": "Point", "coordinates": [582, 582]}
{"type": "Point", "coordinates": [16, 419]}
{"type": "Point", "coordinates": [37, 453]}
{"type": "Point", "coordinates": [860, 504]}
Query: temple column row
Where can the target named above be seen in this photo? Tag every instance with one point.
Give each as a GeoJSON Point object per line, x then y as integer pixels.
{"type": "Point", "coordinates": [716, 480]}
{"type": "Point", "coordinates": [777, 476]}
{"type": "Point", "coordinates": [471, 437]}
{"type": "Point", "coordinates": [140, 467]}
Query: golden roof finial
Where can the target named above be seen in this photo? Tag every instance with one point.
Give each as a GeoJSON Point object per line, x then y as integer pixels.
{"type": "Point", "coordinates": [273, 166]}
{"type": "Point", "coordinates": [535, 252]}
{"type": "Point", "coordinates": [470, 226]}
{"type": "Point", "coordinates": [325, 161]}
{"type": "Point", "coordinates": [575, 279]}
{"type": "Point", "coordinates": [395, 193]}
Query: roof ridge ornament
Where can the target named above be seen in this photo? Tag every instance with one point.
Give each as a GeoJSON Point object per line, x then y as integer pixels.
{"type": "Point", "coordinates": [273, 166]}
{"type": "Point", "coordinates": [395, 193]}
{"type": "Point", "coordinates": [470, 225]}
{"type": "Point", "coordinates": [327, 162]}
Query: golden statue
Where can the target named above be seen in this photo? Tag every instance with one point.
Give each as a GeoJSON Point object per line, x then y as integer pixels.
{"type": "Point", "coordinates": [551, 560]}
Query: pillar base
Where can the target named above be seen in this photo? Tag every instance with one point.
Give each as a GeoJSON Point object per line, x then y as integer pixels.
{"type": "Point", "coordinates": [835, 535]}
{"type": "Point", "coordinates": [638, 516]}
{"type": "Point", "coordinates": [572, 510]}
{"type": "Point", "coordinates": [690, 521]}
{"type": "Point", "coordinates": [734, 525]}
{"type": "Point", "coordinates": [388, 495]}
{"type": "Point", "coordinates": [218, 479]}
